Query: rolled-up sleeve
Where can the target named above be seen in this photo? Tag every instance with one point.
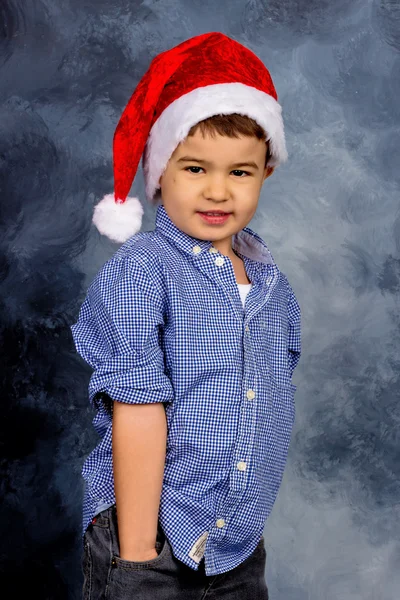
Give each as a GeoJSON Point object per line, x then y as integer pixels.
{"type": "Point", "coordinates": [294, 331]}
{"type": "Point", "coordinates": [118, 335]}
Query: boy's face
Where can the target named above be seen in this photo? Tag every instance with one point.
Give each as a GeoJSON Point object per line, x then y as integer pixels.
{"type": "Point", "coordinates": [214, 182]}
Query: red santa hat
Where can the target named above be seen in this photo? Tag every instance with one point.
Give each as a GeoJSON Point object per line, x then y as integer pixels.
{"type": "Point", "coordinates": [203, 76]}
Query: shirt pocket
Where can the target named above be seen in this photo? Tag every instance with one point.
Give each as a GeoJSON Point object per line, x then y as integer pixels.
{"type": "Point", "coordinates": [273, 315]}
{"type": "Point", "coordinates": [272, 325]}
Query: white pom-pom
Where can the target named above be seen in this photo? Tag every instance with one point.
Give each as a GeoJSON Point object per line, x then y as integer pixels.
{"type": "Point", "coordinates": [118, 221]}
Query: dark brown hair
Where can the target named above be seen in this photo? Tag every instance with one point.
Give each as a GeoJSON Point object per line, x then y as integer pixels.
{"type": "Point", "coordinates": [232, 126]}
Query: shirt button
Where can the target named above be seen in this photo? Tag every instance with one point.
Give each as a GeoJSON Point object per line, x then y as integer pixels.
{"type": "Point", "coordinates": [250, 394]}
{"type": "Point", "coordinates": [219, 261]}
{"type": "Point", "coordinates": [196, 249]}
{"type": "Point", "coordinates": [241, 465]}
{"type": "Point", "coordinates": [220, 523]}
{"type": "Point", "coordinates": [213, 250]}
{"type": "Point", "coordinates": [247, 328]}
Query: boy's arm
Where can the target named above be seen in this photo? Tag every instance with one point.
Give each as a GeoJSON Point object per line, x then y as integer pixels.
{"type": "Point", "coordinates": [117, 333]}
{"type": "Point", "coordinates": [139, 437]}
{"type": "Point", "coordinates": [294, 333]}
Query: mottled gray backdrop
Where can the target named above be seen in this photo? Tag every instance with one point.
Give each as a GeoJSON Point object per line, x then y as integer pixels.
{"type": "Point", "coordinates": [330, 217]}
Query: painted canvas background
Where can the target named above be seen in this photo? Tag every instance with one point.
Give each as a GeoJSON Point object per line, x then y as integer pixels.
{"type": "Point", "coordinates": [330, 217]}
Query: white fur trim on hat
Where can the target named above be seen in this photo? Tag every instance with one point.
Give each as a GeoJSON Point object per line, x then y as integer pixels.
{"type": "Point", "coordinates": [118, 220]}
{"type": "Point", "coordinates": [175, 121]}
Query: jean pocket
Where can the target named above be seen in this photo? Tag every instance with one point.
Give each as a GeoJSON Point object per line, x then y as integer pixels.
{"type": "Point", "coordinates": [162, 549]}
{"type": "Point", "coordinates": [162, 546]}
{"type": "Point", "coordinates": [129, 579]}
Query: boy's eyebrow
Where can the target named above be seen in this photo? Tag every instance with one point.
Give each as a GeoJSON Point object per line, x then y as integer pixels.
{"type": "Point", "coordinates": [206, 162]}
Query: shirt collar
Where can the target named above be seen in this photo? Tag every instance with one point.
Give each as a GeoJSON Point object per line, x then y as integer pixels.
{"type": "Point", "coordinates": [246, 241]}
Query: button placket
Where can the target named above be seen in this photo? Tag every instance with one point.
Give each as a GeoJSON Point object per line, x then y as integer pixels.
{"type": "Point", "coordinates": [241, 465]}
{"type": "Point", "coordinates": [228, 278]}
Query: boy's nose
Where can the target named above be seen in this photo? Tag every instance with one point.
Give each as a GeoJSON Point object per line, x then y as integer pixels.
{"type": "Point", "coordinates": [217, 188]}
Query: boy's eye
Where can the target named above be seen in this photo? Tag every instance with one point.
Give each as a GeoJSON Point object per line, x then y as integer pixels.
{"type": "Point", "coordinates": [193, 168]}
{"type": "Point", "coordinates": [234, 171]}
{"type": "Point", "coordinates": [240, 171]}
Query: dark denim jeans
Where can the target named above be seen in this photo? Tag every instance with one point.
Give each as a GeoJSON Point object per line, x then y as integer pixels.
{"type": "Point", "coordinates": [109, 577]}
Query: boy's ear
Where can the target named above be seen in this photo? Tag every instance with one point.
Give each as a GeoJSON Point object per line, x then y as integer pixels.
{"type": "Point", "coordinates": [268, 172]}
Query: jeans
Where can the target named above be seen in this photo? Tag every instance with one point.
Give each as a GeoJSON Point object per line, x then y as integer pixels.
{"type": "Point", "coordinates": [109, 577]}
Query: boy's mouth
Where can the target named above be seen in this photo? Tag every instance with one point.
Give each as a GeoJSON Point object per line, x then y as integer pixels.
{"type": "Point", "coordinates": [214, 217]}
{"type": "Point", "coordinates": [213, 212]}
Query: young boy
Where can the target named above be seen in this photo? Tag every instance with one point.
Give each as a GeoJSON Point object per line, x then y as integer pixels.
{"type": "Point", "coordinates": [193, 333]}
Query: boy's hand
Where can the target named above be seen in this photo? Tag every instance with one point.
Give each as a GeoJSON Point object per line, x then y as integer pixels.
{"type": "Point", "coordinates": [140, 556]}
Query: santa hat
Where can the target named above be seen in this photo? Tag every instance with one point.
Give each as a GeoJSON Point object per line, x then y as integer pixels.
{"type": "Point", "coordinates": [206, 75]}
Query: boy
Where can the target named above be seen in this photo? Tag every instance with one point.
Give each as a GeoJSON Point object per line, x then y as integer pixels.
{"type": "Point", "coordinates": [193, 334]}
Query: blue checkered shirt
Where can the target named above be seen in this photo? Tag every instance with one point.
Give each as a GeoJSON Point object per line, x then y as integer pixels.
{"type": "Point", "coordinates": [163, 321]}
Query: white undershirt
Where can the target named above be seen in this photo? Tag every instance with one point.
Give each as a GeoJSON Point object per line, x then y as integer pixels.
{"type": "Point", "coordinates": [244, 289]}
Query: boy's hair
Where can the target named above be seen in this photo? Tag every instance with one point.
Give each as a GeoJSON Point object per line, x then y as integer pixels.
{"type": "Point", "coordinates": [232, 126]}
